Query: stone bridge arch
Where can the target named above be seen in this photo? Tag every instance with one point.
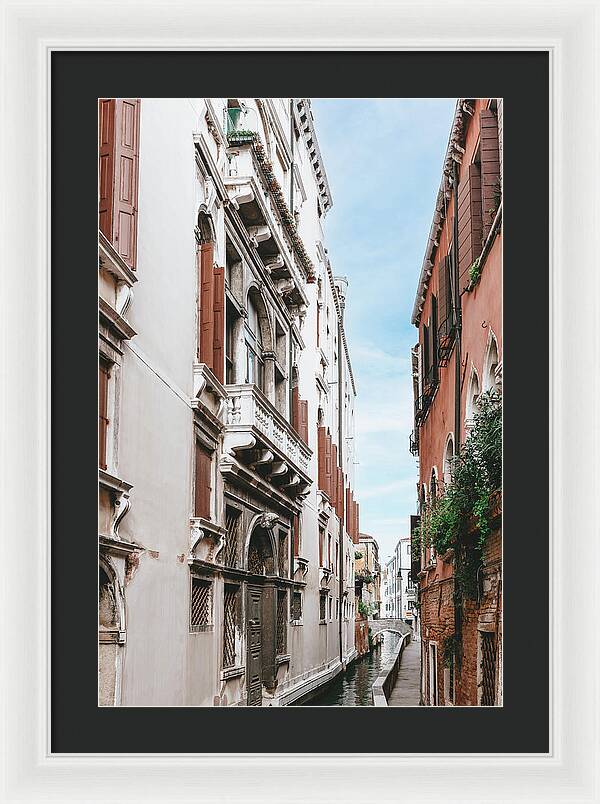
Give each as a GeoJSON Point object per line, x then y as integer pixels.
{"type": "Point", "coordinates": [387, 624]}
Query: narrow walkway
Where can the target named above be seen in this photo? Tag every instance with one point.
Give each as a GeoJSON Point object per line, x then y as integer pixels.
{"type": "Point", "coordinates": [406, 690]}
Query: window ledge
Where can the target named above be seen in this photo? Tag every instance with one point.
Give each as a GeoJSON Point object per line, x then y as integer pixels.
{"type": "Point", "coordinates": [284, 658]}
{"type": "Point", "coordinates": [296, 622]}
{"type": "Point", "coordinates": [204, 529]}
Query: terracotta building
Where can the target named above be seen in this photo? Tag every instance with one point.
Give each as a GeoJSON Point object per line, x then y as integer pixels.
{"type": "Point", "coordinates": [227, 518]}
{"type": "Point", "coordinates": [458, 358]}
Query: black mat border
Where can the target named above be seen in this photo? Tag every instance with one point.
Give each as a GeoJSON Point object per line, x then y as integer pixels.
{"type": "Point", "coordinates": [78, 78]}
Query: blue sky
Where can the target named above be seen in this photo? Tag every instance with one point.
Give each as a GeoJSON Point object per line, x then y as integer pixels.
{"type": "Point", "coordinates": [383, 158]}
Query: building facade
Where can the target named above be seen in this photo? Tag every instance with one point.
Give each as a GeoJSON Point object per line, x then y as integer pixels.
{"type": "Point", "coordinates": [227, 518]}
{"type": "Point", "coordinates": [457, 360]}
{"type": "Point", "coordinates": [368, 575]}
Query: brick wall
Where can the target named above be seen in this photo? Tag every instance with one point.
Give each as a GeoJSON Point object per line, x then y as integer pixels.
{"type": "Point", "coordinates": [483, 615]}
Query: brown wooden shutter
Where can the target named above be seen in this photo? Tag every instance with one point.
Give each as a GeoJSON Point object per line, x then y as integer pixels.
{"type": "Point", "coordinates": [490, 167]}
{"type": "Point", "coordinates": [328, 467]}
{"type": "Point", "coordinates": [342, 484]}
{"type": "Point", "coordinates": [295, 418]}
{"type": "Point", "coordinates": [203, 483]}
{"type": "Point", "coordinates": [348, 511]}
{"type": "Point", "coordinates": [469, 222]}
{"type": "Point", "coordinates": [296, 533]}
{"type": "Point", "coordinates": [321, 537]}
{"type": "Point", "coordinates": [127, 134]}
{"type": "Point", "coordinates": [304, 420]}
{"type": "Point", "coordinates": [426, 356]}
{"type": "Point", "coordinates": [433, 332]}
{"type": "Point", "coordinates": [218, 362]}
{"type": "Point", "coordinates": [207, 304]}
{"type": "Point", "coordinates": [106, 165]}
{"type": "Point", "coordinates": [444, 300]}
{"type": "Point", "coordinates": [321, 451]}
{"type": "Point", "coordinates": [357, 523]}
{"type": "Point", "coordinates": [103, 377]}
{"type": "Point", "coordinates": [334, 477]}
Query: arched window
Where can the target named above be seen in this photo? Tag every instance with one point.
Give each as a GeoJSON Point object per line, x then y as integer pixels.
{"type": "Point", "coordinates": [473, 392]}
{"type": "Point", "coordinates": [490, 366]}
{"type": "Point", "coordinates": [254, 347]}
{"type": "Point", "coordinates": [448, 460]}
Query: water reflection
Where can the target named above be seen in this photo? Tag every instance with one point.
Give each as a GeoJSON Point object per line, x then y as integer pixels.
{"type": "Point", "coordinates": [353, 688]}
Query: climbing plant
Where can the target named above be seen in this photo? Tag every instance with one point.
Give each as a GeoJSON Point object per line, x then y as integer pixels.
{"type": "Point", "coordinates": [464, 508]}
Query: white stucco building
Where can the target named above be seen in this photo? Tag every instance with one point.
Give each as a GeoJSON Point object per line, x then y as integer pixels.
{"type": "Point", "coordinates": [226, 505]}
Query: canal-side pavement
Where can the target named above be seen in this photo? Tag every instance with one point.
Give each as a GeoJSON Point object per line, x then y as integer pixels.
{"type": "Point", "coordinates": [406, 690]}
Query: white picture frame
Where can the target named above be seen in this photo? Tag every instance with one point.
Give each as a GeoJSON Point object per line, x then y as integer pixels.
{"type": "Point", "coordinates": [568, 30]}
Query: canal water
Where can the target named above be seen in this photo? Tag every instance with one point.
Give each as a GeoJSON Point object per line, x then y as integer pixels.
{"type": "Point", "coordinates": [353, 688]}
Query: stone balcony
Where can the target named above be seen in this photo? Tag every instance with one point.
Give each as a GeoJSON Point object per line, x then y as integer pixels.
{"type": "Point", "coordinates": [260, 438]}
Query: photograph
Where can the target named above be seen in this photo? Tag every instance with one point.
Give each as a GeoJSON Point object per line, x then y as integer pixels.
{"type": "Point", "coordinates": [300, 433]}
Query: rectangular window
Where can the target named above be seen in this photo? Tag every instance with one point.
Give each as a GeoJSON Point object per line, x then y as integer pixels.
{"type": "Point", "coordinates": [200, 604]}
{"type": "Point", "coordinates": [203, 485]}
{"type": "Point", "coordinates": [331, 608]}
{"type": "Point", "coordinates": [297, 606]}
{"type": "Point", "coordinates": [322, 607]}
{"type": "Point", "coordinates": [103, 378]}
{"type": "Point", "coordinates": [296, 527]}
{"type": "Point", "coordinates": [283, 554]}
{"type": "Point", "coordinates": [281, 622]}
{"type": "Point", "coordinates": [487, 668]}
{"type": "Point", "coordinates": [232, 526]}
{"type": "Point", "coordinates": [230, 623]}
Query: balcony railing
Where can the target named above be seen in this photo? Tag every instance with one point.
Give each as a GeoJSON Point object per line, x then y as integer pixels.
{"type": "Point", "coordinates": [258, 435]}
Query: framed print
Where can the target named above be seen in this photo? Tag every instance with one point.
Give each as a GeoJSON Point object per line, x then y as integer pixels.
{"type": "Point", "coordinates": [315, 426]}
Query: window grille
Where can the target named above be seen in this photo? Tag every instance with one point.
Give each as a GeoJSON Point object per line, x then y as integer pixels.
{"type": "Point", "coordinates": [281, 623]}
{"type": "Point", "coordinates": [230, 616]}
{"type": "Point", "coordinates": [322, 607]}
{"type": "Point", "coordinates": [488, 669]}
{"type": "Point", "coordinates": [283, 554]}
{"type": "Point", "coordinates": [201, 604]}
{"type": "Point", "coordinates": [232, 525]}
{"type": "Point", "coordinates": [297, 606]}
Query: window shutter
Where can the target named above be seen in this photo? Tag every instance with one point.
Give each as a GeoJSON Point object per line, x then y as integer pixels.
{"type": "Point", "coordinates": [106, 165]}
{"type": "Point", "coordinates": [103, 376]}
{"type": "Point", "coordinates": [433, 334]}
{"type": "Point", "coordinates": [127, 132]}
{"type": "Point", "coordinates": [207, 303]}
{"type": "Point", "coordinates": [318, 322]}
{"type": "Point", "coordinates": [304, 420]}
{"type": "Point", "coordinates": [203, 482]}
{"type": "Point", "coordinates": [321, 451]}
{"type": "Point", "coordinates": [469, 222]}
{"type": "Point", "coordinates": [341, 485]}
{"type": "Point", "coordinates": [348, 511]}
{"type": "Point", "coordinates": [334, 477]}
{"type": "Point", "coordinates": [357, 523]}
{"type": "Point", "coordinates": [490, 167]}
{"type": "Point", "coordinates": [445, 312]}
{"type": "Point", "coordinates": [296, 409]}
{"type": "Point", "coordinates": [328, 468]}
{"type": "Point", "coordinates": [321, 537]}
{"type": "Point", "coordinates": [426, 355]}
{"type": "Point", "coordinates": [218, 362]}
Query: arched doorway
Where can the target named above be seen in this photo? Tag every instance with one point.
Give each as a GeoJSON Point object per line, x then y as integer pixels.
{"type": "Point", "coordinates": [260, 615]}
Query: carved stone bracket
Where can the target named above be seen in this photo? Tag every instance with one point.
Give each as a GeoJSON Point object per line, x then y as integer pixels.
{"type": "Point", "coordinates": [203, 529]}
{"type": "Point", "coordinates": [119, 490]}
{"type": "Point", "coordinates": [267, 520]}
{"type": "Point", "coordinates": [300, 564]}
{"type": "Point", "coordinates": [325, 576]}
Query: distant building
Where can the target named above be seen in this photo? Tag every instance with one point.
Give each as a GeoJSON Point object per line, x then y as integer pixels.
{"type": "Point", "coordinates": [368, 575]}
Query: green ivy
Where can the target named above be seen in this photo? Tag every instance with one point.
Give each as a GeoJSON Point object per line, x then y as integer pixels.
{"type": "Point", "coordinates": [448, 521]}
{"type": "Point", "coordinates": [475, 272]}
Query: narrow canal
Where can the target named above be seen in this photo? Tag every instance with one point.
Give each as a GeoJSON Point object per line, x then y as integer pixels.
{"type": "Point", "coordinates": [353, 688]}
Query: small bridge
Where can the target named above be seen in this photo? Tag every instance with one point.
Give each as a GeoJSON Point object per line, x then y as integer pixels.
{"type": "Point", "coordinates": [387, 624]}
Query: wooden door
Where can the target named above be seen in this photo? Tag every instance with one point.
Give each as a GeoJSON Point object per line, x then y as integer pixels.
{"type": "Point", "coordinates": [254, 639]}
